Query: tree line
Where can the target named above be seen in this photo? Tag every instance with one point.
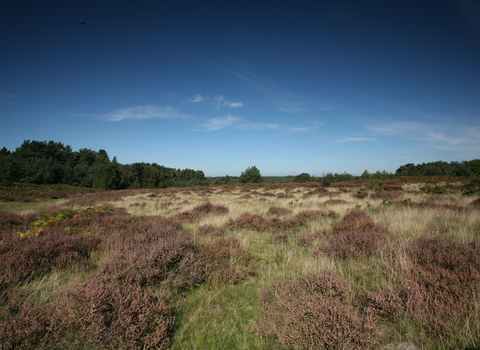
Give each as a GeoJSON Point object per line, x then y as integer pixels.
{"type": "Point", "coordinates": [42, 162]}
{"type": "Point", "coordinates": [458, 169]}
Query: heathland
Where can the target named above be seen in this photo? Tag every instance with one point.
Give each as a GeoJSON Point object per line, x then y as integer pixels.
{"type": "Point", "coordinates": [356, 265]}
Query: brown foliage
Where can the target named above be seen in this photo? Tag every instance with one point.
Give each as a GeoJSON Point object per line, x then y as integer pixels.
{"type": "Point", "coordinates": [280, 238]}
{"type": "Point", "coordinates": [278, 211]}
{"type": "Point", "coordinates": [386, 194]}
{"type": "Point", "coordinates": [334, 201]}
{"type": "Point", "coordinates": [23, 325]}
{"type": "Point", "coordinates": [443, 282]}
{"type": "Point", "coordinates": [158, 254]}
{"type": "Point", "coordinates": [305, 239]}
{"type": "Point", "coordinates": [247, 220]}
{"type": "Point", "coordinates": [209, 230]}
{"type": "Point", "coordinates": [257, 222]}
{"type": "Point", "coordinates": [30, 257]}
{"type": "Point", "coordinates": [315, 313]}
{"type": "Point", "coordinates": [355, 236]}
{"type": "Point", "coordinates": [475, 203]}
{"type": "Point", "coordinates": [224, 258]}
{"type": "Point", "coordinates": [109, 316]}
{"type": "Point", "coordinates": [201, 211]}
{"type": "Point", "coordinates": [386, 304]}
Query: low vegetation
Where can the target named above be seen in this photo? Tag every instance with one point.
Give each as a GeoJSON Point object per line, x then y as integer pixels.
{"type": "Point", "coordinates": [355, 265]}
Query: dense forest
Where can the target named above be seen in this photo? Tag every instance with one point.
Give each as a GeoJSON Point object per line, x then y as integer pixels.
{"type": "Point", "coordinates": [42, 162]}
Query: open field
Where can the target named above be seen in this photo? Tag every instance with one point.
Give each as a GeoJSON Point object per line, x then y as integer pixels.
{"type": "Point", "coordinates": [360, 265]}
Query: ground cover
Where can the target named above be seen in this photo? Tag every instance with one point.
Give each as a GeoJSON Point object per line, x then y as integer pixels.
{"type": "Point", "coordinates": [359, 265]}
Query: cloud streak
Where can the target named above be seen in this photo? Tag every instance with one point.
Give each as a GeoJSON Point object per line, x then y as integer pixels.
{"type": "Point", "coordinates": [219, 123]}
{"type": "Point", "coordinates": [217, 101]}
{"type": "Point", "coordinates": [282, 99]}
{"type": "Point", "coordinates": [3, 95]}
{"type": "Point", "coordinates": [354, 139]}
{"type": "Point", "coordinates": [145, 112]}
{"type": "Point", "coordinates": [455, 138]}
{"type": "Point", "coordinates": [215, 124]}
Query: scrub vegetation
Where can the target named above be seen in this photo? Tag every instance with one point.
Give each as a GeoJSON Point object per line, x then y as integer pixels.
{"type": "Point", "coordinates": [356, 265]}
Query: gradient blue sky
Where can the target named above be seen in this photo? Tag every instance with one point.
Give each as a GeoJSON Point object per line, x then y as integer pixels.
{"type": "Point", "coordinates": [287, 86]}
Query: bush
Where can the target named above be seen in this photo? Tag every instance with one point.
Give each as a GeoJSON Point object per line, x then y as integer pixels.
{"type": "Point", "coordinates": [23, 325]}
{"type": "Point", "coordinates": [315, 312]}
{"type": "Point", "coordinates": [158, 254]}
{"type": "Point", "coordinates": [278, 211]}
{"type": "Point", "coordinates": [224, 258]}
{"type": "Point", "coordinates": [443, 285]}
{"type": "Point", "coordinates": [357, 235]}
{"type": "Point", "coordinates": [108, 316]}
{"type": "Point", "coordinates": [201, 211]}
{"type": "Point", "coordinates": [31, 257]}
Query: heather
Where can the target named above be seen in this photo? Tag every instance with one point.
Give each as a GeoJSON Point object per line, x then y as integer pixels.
{"type": "Point", "coordinates": [357, 265]}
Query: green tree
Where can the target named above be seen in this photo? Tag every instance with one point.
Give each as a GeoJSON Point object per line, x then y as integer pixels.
{"type": "Point", "coordinates": [251, 175]}
{"type": "Point", "coordinates": [366, 175]}
{"type": "Point", "coordinates": [106, 174]}
{"type": "Point", "coordinates": [303, 177]}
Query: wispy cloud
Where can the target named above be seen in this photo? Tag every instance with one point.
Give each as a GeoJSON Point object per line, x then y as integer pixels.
{"type": "Point", "coordinates": [2, 95]}
{"type": "Point", "coordinates": [237, 124]}
{"type": "Point", "coordinates": [197, 98]}
{"type": "Point", "coordinates": [217, 101]}
{"type": "Point", "coordinates": [453, 137]}
{"type": "Point", "coordinates": [258, 126]}
{"type": "Point", "coordinates": [282, 99]}
{"type": "Point", "coordinates": [145, 112]}
{"type": "Point", "coordinates": [290, 107]}
{"type": "Point", "coordinates": [354, 139]}
{"type": "Point", "coordinates": [219, 123]}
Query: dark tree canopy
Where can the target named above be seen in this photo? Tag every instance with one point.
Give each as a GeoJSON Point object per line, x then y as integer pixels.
{"type": "Point", "coordinates": [251, 175]}
{"type": "Point", "coordinates": [42, 162]}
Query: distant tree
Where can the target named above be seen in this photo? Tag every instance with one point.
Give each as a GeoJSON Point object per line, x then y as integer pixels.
{"type": "Point", "coordinates": [106, 174]}
{"type": "Point", "coordinates": [328, 179]}
{"type": "Point", "coordinates": [251, 175]}
{"type": "Point", "coordinates": [303, 177]}
{"type": "Point", "coordinates": [365, 175]}
{"type": "Point", "coordinates": [474, 166]}
{"type": "Point", "coordinates": [432, 170]}
{"type": "Point", "coordinates": [9, 169]}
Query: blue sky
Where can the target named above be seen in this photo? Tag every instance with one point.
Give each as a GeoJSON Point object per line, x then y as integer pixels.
{"type": "Point", "coordinates": [287, 86]}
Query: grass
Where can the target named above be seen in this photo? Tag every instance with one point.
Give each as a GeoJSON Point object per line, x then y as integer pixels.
{"type": "Point", "coordinates": [227, 247]}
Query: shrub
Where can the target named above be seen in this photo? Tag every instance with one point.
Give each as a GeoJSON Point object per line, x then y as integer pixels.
{"type": "Point", "coordinates": [26, 326]}
{"type": "Point", "coordinates": [209, 230]}
{"type": "Point", "coordinates": [305, 239]}
{"type": "Point", "coordinates": [280, 238]}
{"type": "Point", "coordinates": [386, 304]}
{"type": "Point", "coordinates": [250, 221]}
{"type": "Point", "coordinates": [224, 256]}
{"type": "Point", "coordinates": [109, 316]}
{"type": "Point", "coordinates": [158, 254]}
{"type": "Point", "coordinates": [442, 286]}
{"type": "Point", "coordinates": [30, 257]}
{"type": "Point", "coordinates": [278, 211]}
{"type": "Point", "coordinates": [355, 236]}
{"type": "Point", "coordinates": [315, 312]}
{"type": "Point", "coordinates": [201, 211]}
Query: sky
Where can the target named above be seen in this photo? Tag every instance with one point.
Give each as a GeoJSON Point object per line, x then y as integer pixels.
{"type": "Point", "coordinates": [287, 86]}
